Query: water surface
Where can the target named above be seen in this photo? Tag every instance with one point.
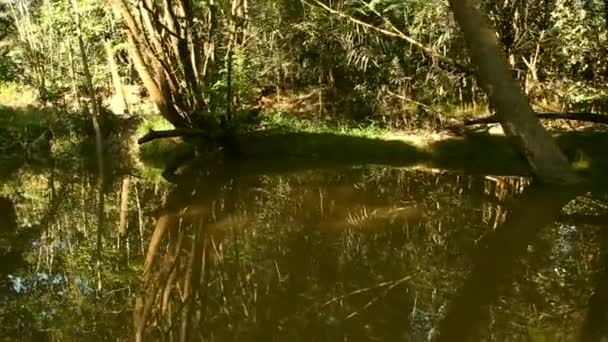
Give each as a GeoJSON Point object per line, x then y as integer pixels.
{"type": "Point", "coordinates": [350, 254]}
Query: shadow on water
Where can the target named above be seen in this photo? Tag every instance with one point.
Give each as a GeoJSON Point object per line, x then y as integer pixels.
{"type": "Point", "coordinates": [474, 154]}
{"type": "Point", "coordinates": [494, 269]}
{"type": "Point", "coordinates": [595, 327]}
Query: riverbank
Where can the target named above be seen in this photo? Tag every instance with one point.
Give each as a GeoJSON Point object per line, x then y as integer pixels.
{"type": "Point", "coordinates": [285, 141]}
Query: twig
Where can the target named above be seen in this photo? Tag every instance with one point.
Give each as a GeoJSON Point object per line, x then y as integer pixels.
{"type": "Point", "coordinates": [390, 284]}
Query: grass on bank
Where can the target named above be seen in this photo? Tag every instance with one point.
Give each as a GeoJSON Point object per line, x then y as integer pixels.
{"type": "Point", "coordinates": [284, 122]}
{"type": "Point", "coordinates": [325, 142]}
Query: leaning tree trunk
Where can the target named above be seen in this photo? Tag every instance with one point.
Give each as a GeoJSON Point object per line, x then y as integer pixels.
{"type": "Point", "coordinates": [516, 117]}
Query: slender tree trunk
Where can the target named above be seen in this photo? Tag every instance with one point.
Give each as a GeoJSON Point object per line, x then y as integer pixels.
{"type": "Point", "coordinates": [124, 206]}
{"type": "Point", "coordinates": [23, 25]}
{"type": "Point", "coordinates": [119, 90]}
{"type": "Point", "coordinates": [517, 118]}
{"type": "Point", "coordinates": [95, 114]}
{"type": "Point", "coordinates": [74, 78]}
{"type": "Point", "coordinates": [140, 222]}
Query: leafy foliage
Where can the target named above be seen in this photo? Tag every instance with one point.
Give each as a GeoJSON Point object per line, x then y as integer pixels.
{"type": "Point", "coordinates": [362, 56]}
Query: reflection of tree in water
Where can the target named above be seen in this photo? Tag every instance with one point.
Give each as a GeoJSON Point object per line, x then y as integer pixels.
{"type": "Point", "coordinates": [357, 254]}
{"type": "Point", "coordinates": [361, 254]}
{"type": "Point", "coordinates": [494, 270]}
{"type": "Point", "coordinates": [10, 246]}
{"type": "Point", "coordinates": [595, 327]}
{"type": "Point", "coordinates": [52, 294]}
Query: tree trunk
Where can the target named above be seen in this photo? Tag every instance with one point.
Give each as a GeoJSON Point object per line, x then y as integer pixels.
{"type": "Point", "coordinates": [140, 49]}
{"type": "Point", "coordinates": [546, 160]}
{"type": "Point", "coordinates": [95, 115]}
{"type": "Point", "coordinates": [118, 88]}
{"type": "Point", "coordinates": [124, 206]}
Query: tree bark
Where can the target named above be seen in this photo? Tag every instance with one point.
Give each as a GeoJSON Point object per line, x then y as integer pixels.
{"type": "Point", "coordinates": [118, 88]}
{"type": "Point", "coordinates": [124, 206]}
{"type": "Point", "coordinates": [546, 160]}
{"type": "Point", "coordinates": [153, 78]}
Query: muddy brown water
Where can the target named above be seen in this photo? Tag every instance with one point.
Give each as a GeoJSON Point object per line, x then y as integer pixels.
{"type": "Point", "coordinates": [349, 254]}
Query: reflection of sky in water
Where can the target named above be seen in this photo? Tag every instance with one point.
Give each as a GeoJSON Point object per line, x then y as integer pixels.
{"type": "Point", "coordinates": [17, 283]}
{"type": "Point", "coordinates": [564, 244]}
{"type": "Point", "coordinates": [22, 285]}
{"type": "Point", "coordinates": [563, 250]}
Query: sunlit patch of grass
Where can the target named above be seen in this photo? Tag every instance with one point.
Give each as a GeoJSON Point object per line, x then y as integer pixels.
{"type": "Point", "coordinates": [459, 111]}
{"type": "Point", "coordinates": [153, 122]}
{"type": "Point", "coordinates": [279, 121]}
{"type": "Point", "coordinates": [154, 152]}
{"type": "Point", "coordinates": [282, 122]}
{"type": "Point", "coordinates": [29, 131]}
{"type": "Point", "coordinates": [16, 95]}
{"type": "Point", "coordinates": [23, 117]}
{"type": "Point", "coordinates": [19, 129]}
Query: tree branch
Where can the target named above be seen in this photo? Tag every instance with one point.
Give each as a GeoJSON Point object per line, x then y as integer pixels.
{"type": "Point", "coordinates": [585, 117]}
{"type": "Point", "coordinates": [172, 133]}
{"type": "Point", "coordinates": [396, 33]}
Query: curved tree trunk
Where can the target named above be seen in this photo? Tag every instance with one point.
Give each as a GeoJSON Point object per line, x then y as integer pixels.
{"type": "Point", "coordinates": [516, 117]}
